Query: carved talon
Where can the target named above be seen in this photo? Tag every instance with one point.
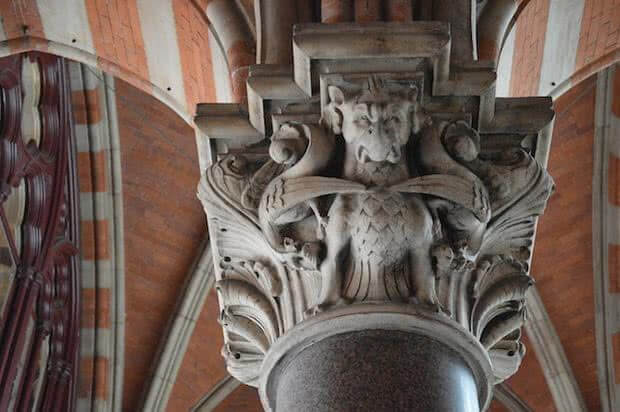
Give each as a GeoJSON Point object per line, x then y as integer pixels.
{"type": "Point", "coordinates": [323, 307]}
{"type": "Point", "coordinates": [434, 306]}
{"type": "Point", "coordinates": [321, 222]}
{"type": "Point", "coordinates": [429, 301]}
{"type": "Point", "coordinates": [442, 258]}
{"type": "Point", "coordinates": [310, 254]}
{"type": "Point", "coordinates": [289, 244]}
{"type": "Point", "coordinates": [321, 229]}
{"type": "Point", "coordinates": [313, 311]}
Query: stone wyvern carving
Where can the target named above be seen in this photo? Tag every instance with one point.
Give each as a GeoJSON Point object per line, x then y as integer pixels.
{"type": "Point", "coordinates": [382, 201]}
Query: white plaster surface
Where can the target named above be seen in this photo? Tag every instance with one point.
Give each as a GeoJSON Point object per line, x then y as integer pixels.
{"type": "Point", "coordinates": [561, 42]}
{"type": "Point", "coordinates": [65, 20]}
{"type": "Point", "coordinates": [2, 32]}
{"type": "Point", "coordinates": [161, 46]}
{"type": "Point", "coordinates": [504, 66]}
{"type": "Point", "coordinates": [221, 75]}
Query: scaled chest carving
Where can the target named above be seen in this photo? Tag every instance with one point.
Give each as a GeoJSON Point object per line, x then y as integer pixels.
{"type": "Point", "coordinates": [382, 223]}
{"type": "Point", "coordinates": [384, 227]}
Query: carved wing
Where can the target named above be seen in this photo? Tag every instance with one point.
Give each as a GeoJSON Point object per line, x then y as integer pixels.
{"type": "Point", "coordinates": [464, 192]}
{"type": "Point", "coordinates": [519, 189]}
{"type": "Point", "coordinates": [249, 278]}
{"type": "Point", "coordinates": [284, 194]}
{"type": "Point", "coordinates": [221, 194]}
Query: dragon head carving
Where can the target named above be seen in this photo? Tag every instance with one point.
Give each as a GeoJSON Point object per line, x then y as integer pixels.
{"type": "Point", "coordinates": [375, 120]}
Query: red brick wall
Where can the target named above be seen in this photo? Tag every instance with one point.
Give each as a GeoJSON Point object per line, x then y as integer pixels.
{"type": "Point", "coordinates": [243, 399]}
{"type": "Point", "coordinates": [21, 19]}
{"type": "Point", "coordinates": [531, 28]}
{"type": "Point", "coordinates": [529, 382]}
{"type": "Point", "coordinates": [116, 34]}
{"type": "Point", "coordinates": [497, 407]}
{"type": "Point", "coordinates": [164, 224]}
{"type": "Point", "coordinates": [562, 263]}
{"type": "Point", "coordinates": [202, 366]}
{"type": "Point", "coordinates": [119, 46]}
{"type": "Point", "coordinates": [598, 43]}
{"type": "Point", "coordinates": [193, 38]}
{"type": "Point", "coordinates": [600, 29]}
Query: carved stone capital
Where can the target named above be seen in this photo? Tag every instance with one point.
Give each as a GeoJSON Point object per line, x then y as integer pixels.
{"type": "Point", "coordinates": [400, 200]}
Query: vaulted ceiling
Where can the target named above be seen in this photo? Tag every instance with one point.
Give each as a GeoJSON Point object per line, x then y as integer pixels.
{"type": "Point", "coordinates": [146, 65]}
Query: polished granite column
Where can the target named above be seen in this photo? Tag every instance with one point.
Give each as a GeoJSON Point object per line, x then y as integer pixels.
{"type": "Point", "coordinates": [377, 370]}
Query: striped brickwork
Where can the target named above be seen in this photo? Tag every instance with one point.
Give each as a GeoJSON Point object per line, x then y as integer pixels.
{"type": "Point", "coordinates": [555, 44]}
{"type": "Point", "coordinates": [167, 49]}
{"type": "Point", "coordinates": [196, 60]}
{"type": "Point", "coordinates": [562, 259]}
{"type": "Point", "coordinates": [159, 46]}
{"type": "Point", "coordinates": [102, 298]}
{"type": "Point", "coordinates": [600, 31]}
{"type": "Point", "coordinates": [236, 41]}
{"type": "Point", "coordinates": [530, 34]}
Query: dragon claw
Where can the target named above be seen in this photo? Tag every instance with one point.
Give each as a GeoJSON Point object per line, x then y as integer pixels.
{"type": "Point", "coordinates": [323, 307]}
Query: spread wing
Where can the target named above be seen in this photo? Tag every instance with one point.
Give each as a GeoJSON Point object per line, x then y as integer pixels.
{"type": "Point", "coordinates": [522, 188]}
{"type": "Point", "coordinates": [284, 194]}
{"type": "Point", "coordinates": [248, 278]}
{"type": "Point", "coordinates": [519, 189]}
{"type": "Point", "coordinates": [232, 223]}
{"type": "Point", "coordinates": [470, 194]}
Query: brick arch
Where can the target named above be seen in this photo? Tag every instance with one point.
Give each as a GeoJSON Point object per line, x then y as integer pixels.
{"type": "Point", "coordinates": [166, 48]}
{"type": "Point", "coordinates": [555, 45]}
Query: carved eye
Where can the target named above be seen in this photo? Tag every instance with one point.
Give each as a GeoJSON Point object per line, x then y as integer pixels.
{"type": "Point", "coordinates": [394, 119]}
{"type": "Point", "coordinates": [364, 118]}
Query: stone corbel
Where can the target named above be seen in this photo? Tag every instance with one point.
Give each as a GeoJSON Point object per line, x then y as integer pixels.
{"type": "Point", "coordinates": [269, 87]}
{"type": "Point", "coordinates": [376, 47]}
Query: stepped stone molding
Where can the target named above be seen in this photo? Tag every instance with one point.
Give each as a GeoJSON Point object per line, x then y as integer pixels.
{"type": "Point", "coordinates": [216, 395]}
{"type": "Point", "coordinates": [97, 140]}
{"type": "Point", "coordinates": [509, 399]}
{"type": "Point", "coordinates": [373, 178]}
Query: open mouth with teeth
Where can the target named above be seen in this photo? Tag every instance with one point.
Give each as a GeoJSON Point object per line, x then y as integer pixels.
{"type": "Point", "coordinates": [364, 156]}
